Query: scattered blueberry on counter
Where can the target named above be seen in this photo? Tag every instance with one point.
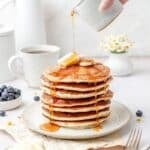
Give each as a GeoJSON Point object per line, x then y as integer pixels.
{"type": "Point", "coordinates": [8, 93]}
{"type": "Point", "coordinates": [36, 98]}
{"type": "Point", "coordinates": [139, 113]}
{"type": "Point", "coordinates": [2, 113]}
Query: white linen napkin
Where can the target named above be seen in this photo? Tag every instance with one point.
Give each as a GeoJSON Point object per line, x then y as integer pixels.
{"type": "Point", "coordinates": [18, 130]}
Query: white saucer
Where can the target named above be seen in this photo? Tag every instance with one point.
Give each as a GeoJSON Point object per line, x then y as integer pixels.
{"type": "Point", "coordinates": [119, 117]}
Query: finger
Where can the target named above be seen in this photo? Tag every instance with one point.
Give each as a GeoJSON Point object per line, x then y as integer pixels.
{"type": "Point", "coordinates": [123, 1]}
{"type": "Point", "coordinates": [105, 4]}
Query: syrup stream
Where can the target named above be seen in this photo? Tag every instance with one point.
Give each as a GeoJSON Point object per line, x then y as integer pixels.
{"type": "Point", "coordinates": [72, 14]}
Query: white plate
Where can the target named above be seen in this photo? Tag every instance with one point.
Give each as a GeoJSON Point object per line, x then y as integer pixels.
{"type": "Point", "coordinates": [119, 117]}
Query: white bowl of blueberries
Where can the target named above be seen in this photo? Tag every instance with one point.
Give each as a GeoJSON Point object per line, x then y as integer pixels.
{"type": "Point", "coordinates": [10, 97]}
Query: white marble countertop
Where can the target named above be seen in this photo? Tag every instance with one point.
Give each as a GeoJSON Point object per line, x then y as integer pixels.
{"type": "Point", "coordinates": [133, 91]}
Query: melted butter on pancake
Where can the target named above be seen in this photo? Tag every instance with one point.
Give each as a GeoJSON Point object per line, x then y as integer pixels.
{"type": "Point", "coordinates": [86, 62]}
{"type": "Point", "coordinates": [69, 59]}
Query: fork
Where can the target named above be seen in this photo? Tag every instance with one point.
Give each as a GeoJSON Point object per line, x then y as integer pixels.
{"type": "Point", "coordinates": [134, 139]}
{"type": "Point", "coordinates": [133, 142]}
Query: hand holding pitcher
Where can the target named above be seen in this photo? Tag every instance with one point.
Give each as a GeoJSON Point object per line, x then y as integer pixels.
{"type": "Point", "coordinates": [89, 11]}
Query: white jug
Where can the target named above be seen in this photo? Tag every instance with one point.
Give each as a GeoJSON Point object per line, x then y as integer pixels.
{"type": "Point", "coordinates": [7, 49]}
{"type": "Point", "coordinates": [88, 11]}
{"type": "Point", "coordinates": [30, 27]}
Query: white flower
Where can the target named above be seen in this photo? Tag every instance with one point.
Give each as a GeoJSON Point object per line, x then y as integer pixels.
{"type": "Point", "coordinates": [118, 44]}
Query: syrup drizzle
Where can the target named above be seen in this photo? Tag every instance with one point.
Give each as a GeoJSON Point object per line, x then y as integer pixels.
{"type": "Point", "coordinates": [72, 14]}
{"type": "Point", "coordinates": [98, 126]}
{"type": "Point", "coordinates": [51, 127]}
{"type": "Point", "coordinates": [53, 95]}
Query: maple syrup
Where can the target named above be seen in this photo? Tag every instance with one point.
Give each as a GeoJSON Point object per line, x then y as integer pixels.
{"type": "Point", "coordinates": [72, 14]}
{"type": "Point", "coordinates": [98, 126]}
{"type": "Point", "coordinates": [49, 127]}
{"type": "Point", "coordinates": [55, 100]}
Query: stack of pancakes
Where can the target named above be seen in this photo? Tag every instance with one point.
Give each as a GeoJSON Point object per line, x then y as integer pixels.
{"type": "Point", "coordinates": [77, 96]}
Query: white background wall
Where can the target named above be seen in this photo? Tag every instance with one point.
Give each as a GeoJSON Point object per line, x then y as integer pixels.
{"type": "Point", "coordinates": [134, 20]}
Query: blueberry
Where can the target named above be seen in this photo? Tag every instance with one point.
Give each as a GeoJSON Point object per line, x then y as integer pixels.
{"type": "Point", "coordinates": [16, 96]}
{"type": "Point", "coordinates": [17, 91]}
{"type": "Point", "coordinates": [36, 98]}
{"type": "Point", "coordinates": [4, 96]}
{"type": "Point", "coordinates": [10, 89]}
{"type": "Point", "coordinates": [1, 99]}
{"type": "Point", "coordinates": [5, 91]}
{"type": "Point", "coordinates": [0, 92]}
{"type": "Point", "coordinates": [139, 113]}
{"type": "Point", "coordinates": [3, 87]}
{"type": "Point", "coordinates": [2, 113]}
{"type": "Point", "coordinates": [11, 96]}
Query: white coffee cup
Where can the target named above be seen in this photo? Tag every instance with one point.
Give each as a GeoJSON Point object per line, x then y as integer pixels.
{"type": "Point", "coordinates": [32, 61]}
{"type": "Point", "coordinates": [88, 11]}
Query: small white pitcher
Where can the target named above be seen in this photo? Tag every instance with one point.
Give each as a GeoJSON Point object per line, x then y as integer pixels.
{"type": "Point", "coordinates": [88, 11]}
{"type": "Point", "coordinates": [120, 64]}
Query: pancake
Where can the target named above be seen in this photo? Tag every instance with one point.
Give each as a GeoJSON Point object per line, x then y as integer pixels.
{"type": "Point", "coordinates": [99, 106]}
{"type": "Point", "coordinates": [47, 99]}
{"type": "Point", "coordinates": [76, 95]}
{"type": "Point", "coordinates": [73, 94]}
{"type": "Point", "coordinates": [78, 74]}
{"type": "Point", "coordinates": [60, 116]}
{"type": "Point", "coordinates": [83, 87]}
{"type": "Point", "coordinates": [79, 124]}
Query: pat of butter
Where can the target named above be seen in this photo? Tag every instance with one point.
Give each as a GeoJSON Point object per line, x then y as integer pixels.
{"type": "Point", "coordinates": [69, 59]}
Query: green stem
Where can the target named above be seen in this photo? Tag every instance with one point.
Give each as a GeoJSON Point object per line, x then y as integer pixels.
{"type": "Point", "coordinates": [114, 52]}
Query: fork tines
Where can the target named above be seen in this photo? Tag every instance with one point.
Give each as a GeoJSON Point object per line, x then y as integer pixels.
{"type": "Point", "coordinates": [134, 139]}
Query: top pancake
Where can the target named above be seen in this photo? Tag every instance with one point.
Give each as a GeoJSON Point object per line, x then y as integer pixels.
{"type": "Point", "coordinates": [78, 74]}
